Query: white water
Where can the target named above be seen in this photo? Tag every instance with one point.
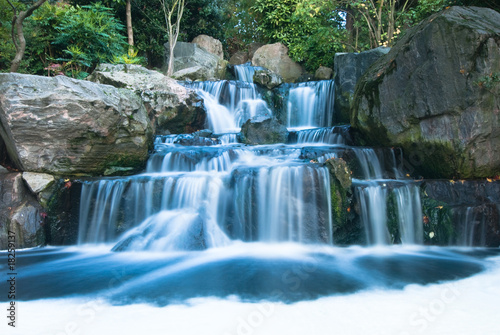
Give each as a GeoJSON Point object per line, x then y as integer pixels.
{"type": "Point", "coordinates": [464, 307]}
{"type": "Point", "coordinates": [311, 104]}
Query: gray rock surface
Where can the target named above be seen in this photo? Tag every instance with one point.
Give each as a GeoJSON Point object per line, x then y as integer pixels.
{"type": "Point", "coordinates": [240, 57]}
{"type": "Point", "coordinates": [263, 130]}
{"type": "Point", "coordinates": [349, 67]}
{"type": "Point", "coordinates": [65, 126]}
{"type": "Point", "coordinates": [275, 58]}
{"type": "Point", "coordinates": [323, 73]}
{"type": "Point", "coordinates": [20, 213]}
{"type": "Point", "coordinates": [190, 55]}
{"type": "Point", "coordinates": [210, 44]}
{"type": "Point", "coordinates": [267, 78]}
{"type": "Point", "coordinates": [436, 94]}
{"type": "Point", "coordinates": [172, 108]}
{"type": "Point", "coordinates": [37, 182]}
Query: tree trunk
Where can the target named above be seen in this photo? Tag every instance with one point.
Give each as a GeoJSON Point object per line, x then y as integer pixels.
{"type": "Point", "coordinates": [130, 32]}
{"type": "Point", "coordinates": [17, 33]}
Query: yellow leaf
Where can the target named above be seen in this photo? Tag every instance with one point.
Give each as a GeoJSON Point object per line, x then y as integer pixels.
{"type": "Point", "coordinates": [440, 207]}
{"type": "Point", "coordinates": [489, 180]}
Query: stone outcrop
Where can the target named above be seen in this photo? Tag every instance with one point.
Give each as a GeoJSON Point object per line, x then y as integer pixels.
{"type": "Point", "coordinates": [436, 94]}
{"type": "Point", "coordinates": [172, 108]}
{"type": "Point", "coordinates": [349, 67]}
{"type": "Point", "coordinates": [275, 58]}
{"type": "Point", "coordinates": [190, 55]}
{"type": "Point", "coordinates": [323, 73]}
{"type": "Point", "coordinates": [20, 213]}
{"type": "Point", "coordinates": [263, 130]}
{"type": "Point", "coordinates": [64, 126]}
{"type": "Point", "coordinates": [210, 44]}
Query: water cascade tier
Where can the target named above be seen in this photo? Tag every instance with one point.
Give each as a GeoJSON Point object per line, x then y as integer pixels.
{"type": "Point", "coordinates": [199, 192]}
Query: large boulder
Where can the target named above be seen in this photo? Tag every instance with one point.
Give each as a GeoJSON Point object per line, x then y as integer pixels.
{"type": "Point", "coordinates": [191, 55]}
{"type": "Point", "coordinates": [65, 126]}
{"type": "Point", "coordinates": [275, 58]}
{"type": "Point", "coordinates": [172, 108]}
{"type": "Point", "coordinates": [436, 94]}
{"type": "Point", "coordinates": [20, 213]}
{"type": "Point", "coordinates": [263, 130]}
{"type": "Point", "coordinates": [210, 44]}
{"type": "Point", "coordinates": [349, 67]}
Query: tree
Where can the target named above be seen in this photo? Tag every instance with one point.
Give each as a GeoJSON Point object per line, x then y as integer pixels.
{"type": "Point", "coordinates": [169, 9]}
{"type": "Point", "coordinates": [17, 32]}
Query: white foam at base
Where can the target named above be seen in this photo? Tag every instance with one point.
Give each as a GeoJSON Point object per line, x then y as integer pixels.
{"type": "Point", "coordinates": [465, 307]}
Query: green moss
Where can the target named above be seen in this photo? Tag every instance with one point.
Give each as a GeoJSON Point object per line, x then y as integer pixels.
{"type": "Point", "coordinates": [393, 218]}
{"type": "Point", "coordinates": [346, 230]}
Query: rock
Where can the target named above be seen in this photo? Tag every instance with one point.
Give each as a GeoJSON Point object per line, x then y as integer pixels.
{"type": "Point", "coordinates": [263, 130]}
{"type": "Point", "coordinates": [465, 212]}
{"type": "Point", "coordinates": [20, 213]}
{"type": "Point", "coordinates": [190, 55]}
{"type": "Point", "coordinates": [267, 79]}
{"type": "Point", "coordinates": [240, 57]}
{"type": "Point", "coordinates": [60, 125]}
{"type": "Point", "coordinates": [436, 95]}
{"type": "Point", "coordinates": [3, 170]}
{"type": "Point", "coordinates": [323, 73]}
{"type": "Point", "coordinates": [275, 58]}
{"type": "Point", "coordinates": [171, 107]}
{"type": "Point", "coordinates": [195, 140]}
{"type": "Point", "coordinates": [210, 44]}
{"type": "Point", "coordinates": [252, 47]}
{"type": "Point", "coordinates": [346, 230]}
{"type": "Point", "coordinates": [349, 67]}
{"type": "Point", "coordinates": [37, 182]}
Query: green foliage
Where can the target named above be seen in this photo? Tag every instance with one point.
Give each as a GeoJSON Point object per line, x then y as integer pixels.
{"type": "Point", "coordinates": [7, 49]}
{"type": "Point", "coordinates": [129, 58]}
{"type": "Point", "coordinates": [489, 82]}
{"type": "Point", "coordinates": [311, 29]}
{"type": "Point", "coordinates": [89, 35]}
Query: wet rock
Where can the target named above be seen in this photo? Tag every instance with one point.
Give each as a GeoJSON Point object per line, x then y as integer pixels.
{"type": "Point", "coordinates": [349, 67]}
{"type": "Point", "coordinates": [267, 79]}
{"type": "Point", "coordinates": [64, 126]}
{"type": "Point", "coordinates": [462, 212]}
{"type": "Point", "coordinates": [436, 95]}
{"type": "Point", "coordinates": [263, 130]}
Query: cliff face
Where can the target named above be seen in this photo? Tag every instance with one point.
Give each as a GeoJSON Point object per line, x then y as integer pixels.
{"type": "Point", "coordinates": [436, 95]}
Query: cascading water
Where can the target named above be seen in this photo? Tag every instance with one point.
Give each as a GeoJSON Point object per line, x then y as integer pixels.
{"type": "Point", "coordinates": [310, 104]}
{"type": "Point", "coordinates": [231, 228]}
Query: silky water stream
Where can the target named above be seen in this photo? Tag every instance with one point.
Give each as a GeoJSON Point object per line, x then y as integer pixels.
{"type": "Point", "coordinates": [235, 239]}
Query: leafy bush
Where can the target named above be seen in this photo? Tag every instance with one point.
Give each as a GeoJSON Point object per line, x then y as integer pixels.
{"type": "Point", "coordinates": [89, 35]}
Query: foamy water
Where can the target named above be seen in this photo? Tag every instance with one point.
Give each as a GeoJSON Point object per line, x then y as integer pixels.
{"type": "Point", "coordinates": [467, 306]}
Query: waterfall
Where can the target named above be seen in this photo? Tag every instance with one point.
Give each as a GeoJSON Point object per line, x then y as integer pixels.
{"type": "Point", "coordinates": [310, 104]}
{"type": "Point", "coordinates": [283, 204]}
{"type": "Point", "coordinates": [229, 104]}
{"type": "Point", "coordinates": [206, 193]}
{"type": "Point", "coordinates": [246, 71]}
